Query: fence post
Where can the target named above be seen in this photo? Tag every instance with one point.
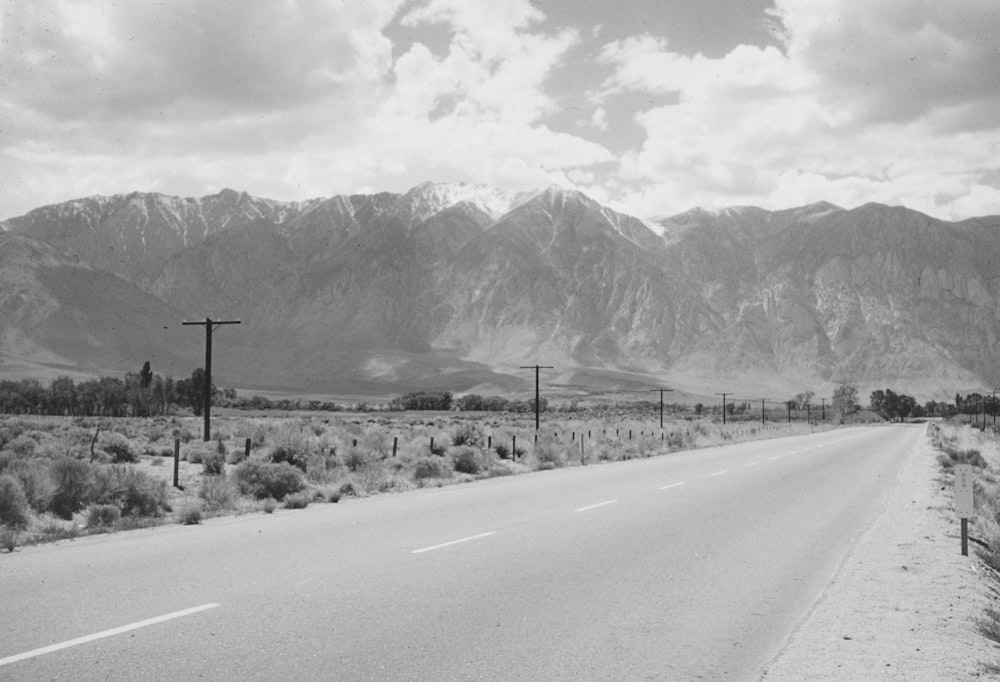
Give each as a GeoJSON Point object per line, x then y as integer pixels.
{"type": "Point", "coordinates": [177, 460]}
{"type": "Point", "coordinates": [395, 443]}
{"type": "Point", "coordinates": [246, 449]}
{"type": "Point", "coordinates": [513, 449]}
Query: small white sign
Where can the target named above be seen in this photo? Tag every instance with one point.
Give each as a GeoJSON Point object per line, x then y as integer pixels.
{"type": "Point", "coordinates": [964, 499]}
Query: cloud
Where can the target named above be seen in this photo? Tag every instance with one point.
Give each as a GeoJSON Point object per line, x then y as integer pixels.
{"type": "Point", "coordinates": [868, 102]}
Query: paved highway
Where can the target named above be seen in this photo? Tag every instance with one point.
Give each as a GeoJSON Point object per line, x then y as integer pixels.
{"type": "Point", "coordinates": [695, 565]}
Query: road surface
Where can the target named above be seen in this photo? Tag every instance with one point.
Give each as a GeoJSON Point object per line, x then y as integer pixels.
{"type": "Point", "coordinates": [694, 565]}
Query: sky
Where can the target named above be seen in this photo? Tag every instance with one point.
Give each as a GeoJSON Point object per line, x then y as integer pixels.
{"type": "Point", "coordinates": [651, 106]}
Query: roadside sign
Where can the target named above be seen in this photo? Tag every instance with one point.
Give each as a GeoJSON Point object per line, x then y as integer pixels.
{"type": "Point", "coordinates": [964, 502]}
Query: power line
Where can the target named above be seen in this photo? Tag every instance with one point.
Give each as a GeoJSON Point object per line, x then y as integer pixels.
{"type": "Point", "coordinates": [537, 369]}
{"type": "Point", "coordinates": [210, 326]}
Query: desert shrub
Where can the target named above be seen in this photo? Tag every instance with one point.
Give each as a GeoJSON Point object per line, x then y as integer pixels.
{"type": "Point", "coordinates": [430, 467]}
{"type": "Point", "coordinates": [953, 456]}
{"type": "Point", "coordinates": [503, 452]}
{"type": "Point", "coordinates": [438, 449]}
{"type": "Point", "coordinates": [355, 459]}
{"type": "Point", "coordinates": [103, 515]}
{"type": "Point", "coordinates": [467, 460]}
{"type": "Point", "coordinates": [190, 514]}
{"type": "Point", "coordinates": [292, 446]}
{"type": "Point", "coordinates": [296, 501]}
{"type": "Point", "coordinates": [119, 447]}
{"type": "Point", "coordinates": [71, 480]}
{"type": "Point", "coordinates": [269, 505]}
{"type": "Point", "coordinates": [23, 446]}
{"type": "Point", "coordinates": [136, 492]}
{"type": "Point", "coordinates": [333, 496]}
{"type": "Point", "coordinates": [347, 488]}
{"type": "Point", "coordinates": [13, 503]}
{"type": "Point", "coordinates": [549, 453]}
{"type": "Point", "coordinates": [34, 477]}
{"type": "Point", "coordinates": [377, 442]}
{"type": "Point", "coordinates": [8, 538]}
{"type": "Point", "coordinates": [195, 453]}
{"type": "Point", "coordinates": [218, 493]}
{"type": "Point", "coordinates": [268, 479]}
{"type": "Point", "coordinates": [316, 468]}
{"type": "Point", "coordinates": [213, 463]}
{"type": "Point", "coordinates": [467, 434]}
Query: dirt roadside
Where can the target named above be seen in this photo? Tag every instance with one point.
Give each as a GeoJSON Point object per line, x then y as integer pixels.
{"type": "Point", "coordinates": [904, 604]}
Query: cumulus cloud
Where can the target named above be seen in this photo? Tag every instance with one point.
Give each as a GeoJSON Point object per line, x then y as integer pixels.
{"type": "Point", "coordinates": [867, 102]}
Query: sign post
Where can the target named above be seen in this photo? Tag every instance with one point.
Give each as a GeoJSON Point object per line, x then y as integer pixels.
{"type": "Point", "coordinates": [964, 501]}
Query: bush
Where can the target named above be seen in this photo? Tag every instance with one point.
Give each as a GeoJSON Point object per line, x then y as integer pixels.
{"type": "Point", "coordinates": [135, 492]}
{"type": "Point", "coordinates": [503, 452]}
{"type": "Point", "coordinates": [103, 515]}
{"type": "Point", "coordinates": [267, 479]}
{"type": "Point", "coordinates": [297, 501]}
{"type": "Point", "coordinates": [467, 460]}
{"type": "Point", "coordinates": [218, 493]}
{"type": "Point", "coordinates": [8, 538]}
{"type": "Point", "coordinates": [430, 467]}
{"type": "Point", "coordinates": [467, 434]}
{"type": "Point", "coordinates": [355, 459]}
{"type": "Point", "coordinates": [292, 447]}
{"type": "Point", "coordinates": [190, 514]}
{"type": "Point", "coordinates": [13, 503]}
{"type": "Point", "coordinates": [213, 463]}
{"type": "Point", "coordinates": [34, 477]}
{"type": "Point", "coordinates": [269, 505]}
{"type": "Point", "coordinates": [196, 453]}
{"type": "Point", "coordinates": [119, 447]}
{"type": "Point", "coordinates": [72, 479]}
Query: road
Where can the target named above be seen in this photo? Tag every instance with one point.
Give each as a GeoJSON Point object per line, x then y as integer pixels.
{"type": "Point", "coordinates": [695, 565]}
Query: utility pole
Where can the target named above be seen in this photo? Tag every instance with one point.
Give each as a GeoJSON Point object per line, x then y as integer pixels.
{"type": "Point", "coordinates": [538, 401]}
{"type": "Point", "coordinates": [723, 406]}
{"type": "Point", "coordinates": [662, 391]}
{"type": "Point", "coordinates": [210, 326]}
{"type": "Point", "coordinates": [762, 418]}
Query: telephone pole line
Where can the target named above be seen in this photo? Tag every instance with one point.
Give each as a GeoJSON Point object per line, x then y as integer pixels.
{"type": "Point", "coordinates": [661, 391]}
{"type": "Point", "coordinates": [723, 406]}
{"type": "Point", "coordinates": [210, 326]}
{"type": "Point", "coordinates": [538, 403]}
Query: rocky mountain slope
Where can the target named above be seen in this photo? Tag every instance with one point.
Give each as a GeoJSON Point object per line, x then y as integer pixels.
{"type": "Point", "coordinates": [456, 286]}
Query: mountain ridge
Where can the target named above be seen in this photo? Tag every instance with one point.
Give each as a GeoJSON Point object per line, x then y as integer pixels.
{"type": "Point", "coordinates": [465, 283]}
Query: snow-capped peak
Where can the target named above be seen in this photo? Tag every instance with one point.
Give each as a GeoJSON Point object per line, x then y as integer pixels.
{"type": "Point", "coordinates": [429, 198]}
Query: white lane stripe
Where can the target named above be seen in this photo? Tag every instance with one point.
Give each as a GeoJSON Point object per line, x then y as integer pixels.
{"type": "Point", "coordinates": [750, 464]}
{"type": "Point", "coordinates": [453, 542]}
{"type": "Point", "coordinates": [776, 457]}
{"type": "Point", "coordinates": [105, 633]}
{"type": "Point", "coordinates": [595, 506]}
{"type": "Point", "coordinates": [672, 485]}
{"type": "Point", "coordinates": [719, 473]}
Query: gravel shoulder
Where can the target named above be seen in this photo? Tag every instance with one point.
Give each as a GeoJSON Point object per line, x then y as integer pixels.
{"type": "Point", "coordinates": [904, 604]}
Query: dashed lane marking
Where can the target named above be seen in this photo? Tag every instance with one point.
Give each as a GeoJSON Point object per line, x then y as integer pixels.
{"type": "Point", "coordinates": [452, 542]}
{"type": "Point", "coordinates": [595, 506]}
{"type": "Point", "coordinates": [672, 485]}
{"type": "Point", "coordinates": [104, 633]}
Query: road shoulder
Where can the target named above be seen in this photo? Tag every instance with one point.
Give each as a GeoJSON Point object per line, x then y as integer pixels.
{"type": "Point", "coordinates": [904, 604]}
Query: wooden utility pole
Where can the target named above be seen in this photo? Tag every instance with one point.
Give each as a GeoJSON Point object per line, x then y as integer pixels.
{"type": "Point", "coordinates": [210, 326]}
{"type": "Point", "coordinates": [662, 391]}
{"type": "Point", "coordinates": [538, 402]}
{"type": "Point", "coordinates": [723, 406]}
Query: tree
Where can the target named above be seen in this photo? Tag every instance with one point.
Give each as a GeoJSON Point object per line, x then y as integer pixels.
{"type": "Point", "coordinates": [802, 399]}
{"type": "Point", "coordinates": [845, 401]}
{"type": "Point", "coordinates": [191, 392]}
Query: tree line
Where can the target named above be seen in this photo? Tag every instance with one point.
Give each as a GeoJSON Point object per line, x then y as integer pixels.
{"type": "Point", "coordinates": [139, 394]}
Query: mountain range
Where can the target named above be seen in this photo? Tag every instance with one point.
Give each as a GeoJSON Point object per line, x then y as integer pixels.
{"type": "Point", "coordinates": [457, 286]}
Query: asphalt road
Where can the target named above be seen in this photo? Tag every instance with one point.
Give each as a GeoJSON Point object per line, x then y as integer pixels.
{"type": "Point", "coordinates": [690, 566]}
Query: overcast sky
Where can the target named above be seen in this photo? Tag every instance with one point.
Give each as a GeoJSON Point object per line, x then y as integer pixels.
{"type": "Point", "coordinates": [654, 106]}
